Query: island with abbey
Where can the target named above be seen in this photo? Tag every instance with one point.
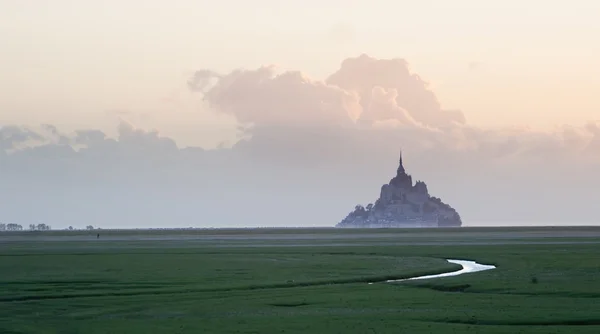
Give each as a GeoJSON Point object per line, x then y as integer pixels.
{"type": "Point", "coordinates": [403, 204]}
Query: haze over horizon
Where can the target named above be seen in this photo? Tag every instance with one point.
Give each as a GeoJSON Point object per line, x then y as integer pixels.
{"type": "Point", "coordinates": [173, 115]}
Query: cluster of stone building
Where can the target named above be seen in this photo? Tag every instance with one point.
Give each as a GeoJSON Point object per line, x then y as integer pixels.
{"type": "Point", "coordinates": [402, 204]}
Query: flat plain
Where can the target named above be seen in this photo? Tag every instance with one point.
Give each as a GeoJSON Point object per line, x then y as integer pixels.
{"type": "Point", "coordinates": [547, 280]}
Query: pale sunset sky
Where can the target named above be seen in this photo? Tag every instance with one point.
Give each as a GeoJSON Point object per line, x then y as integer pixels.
{"type": "Point", "coordinates": [504, 125]}
{"type": "Point", "coordinates": [68, 62]}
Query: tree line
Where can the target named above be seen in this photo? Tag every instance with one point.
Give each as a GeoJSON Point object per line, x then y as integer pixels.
{"type": "Point", "coordinates": [33, 227]}
{"type": "Point", "coordinates": [18, 227]}
{"type": "Point", "coordinates": [10, 227]}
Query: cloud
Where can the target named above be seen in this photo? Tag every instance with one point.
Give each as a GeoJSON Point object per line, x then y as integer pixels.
{"type": "Point", "coordinates": [309, 151]}
{"type": "Point", "coordinates": [263, 97]}
{"type": "Point", "coordinates": [594, 144]}
{"type": "Point", "coordinates": [89, 137]}
{"type": "Point", "coordinates": [365, 98]}
{"type": "Point", "coordinates": [363, 89]}
{"type": "Point", "coordinates": [202, 80]}
{"type": "Point", "coordinates": [362, 74]}
{"type": "Point", "coordinates": [383, 106]}
{"type": "Point", "coordinates": [13, 136]}
{"type": "Point", "coordinates": [55, 135]}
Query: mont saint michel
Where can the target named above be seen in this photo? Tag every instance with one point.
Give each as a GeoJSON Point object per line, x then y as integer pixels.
{"type": "Point", "coordinates": [402, 204]}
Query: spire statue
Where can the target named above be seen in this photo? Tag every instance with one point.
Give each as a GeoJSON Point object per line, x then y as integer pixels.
{"type": "Point", "coordinates": [400, 166]}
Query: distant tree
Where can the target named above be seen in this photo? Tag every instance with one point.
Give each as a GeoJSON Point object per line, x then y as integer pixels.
{"type": "Point", "coordinates": [89, 227]}
{"type": "Point", "coordinates": [369, 207]}
{"type": "Point", "coordinates": [70, 228]}
{"type": "Point", "coordinates": [14, 227]}
{"type": "Point", "coordinates": [32, 227]}
{"type": "Point", "coordinates": [2, 227]}
{"type": "Point", "coordinates": [359, 211]}
{"type": "Point", "coordinates": [43, 227]}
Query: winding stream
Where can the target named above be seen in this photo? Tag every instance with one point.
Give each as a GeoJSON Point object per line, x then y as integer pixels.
{"type": "Point", "coordinates": [467, 267]}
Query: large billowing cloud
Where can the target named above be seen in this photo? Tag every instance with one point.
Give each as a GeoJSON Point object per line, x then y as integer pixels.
{"type": "Point", "coordinates": [371, 77]}
{"type": "Point", "coordinates": [263, 97]}
{"type": "Point", "coordinates": [367, 99]}
{"type": "Point", "coordinates": [363, 88]}
{"type": "Point", "coordinates": [312, 150]}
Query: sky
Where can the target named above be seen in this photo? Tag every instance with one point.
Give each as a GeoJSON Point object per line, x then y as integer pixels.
{"type": "Point", "coordinates": [125, 115]}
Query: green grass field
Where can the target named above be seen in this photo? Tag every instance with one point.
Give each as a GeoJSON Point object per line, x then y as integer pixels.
{"type": "Point", "coordinates": [299, 281]}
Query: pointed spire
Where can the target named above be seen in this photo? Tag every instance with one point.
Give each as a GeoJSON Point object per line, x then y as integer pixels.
{"type": "Point", "coordinates": [401, 166]}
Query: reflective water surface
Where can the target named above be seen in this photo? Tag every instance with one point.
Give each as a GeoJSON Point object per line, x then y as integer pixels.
{"type": "Point", "coordinates": [467, 267]}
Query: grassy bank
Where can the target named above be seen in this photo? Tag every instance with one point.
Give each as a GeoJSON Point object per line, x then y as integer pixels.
{"type": "Point", "coordinates": [157, 287]}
